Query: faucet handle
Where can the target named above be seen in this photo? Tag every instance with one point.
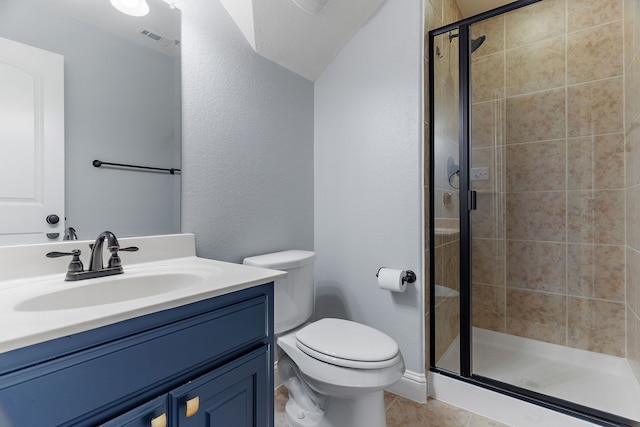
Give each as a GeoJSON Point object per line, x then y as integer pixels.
{"type": "Point", "coordinates": [114, 260]}
{"type": "Point", "coordinates": [75, 266]}
{"type": "Point", "coordinates": [55, 254]}
{"type": "Point", "coordinates": [128, 249]}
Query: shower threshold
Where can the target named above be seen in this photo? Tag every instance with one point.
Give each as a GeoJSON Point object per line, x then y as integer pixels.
{"type": "Point", "coordinates": [587, 378]}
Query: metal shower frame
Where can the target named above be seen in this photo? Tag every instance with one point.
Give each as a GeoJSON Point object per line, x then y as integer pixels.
{"type": "Point", "coordinates": [467, 204]}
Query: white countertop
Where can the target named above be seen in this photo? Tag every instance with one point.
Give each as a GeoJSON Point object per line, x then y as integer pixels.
{"type": "Point", "coordinates": [23, 328]}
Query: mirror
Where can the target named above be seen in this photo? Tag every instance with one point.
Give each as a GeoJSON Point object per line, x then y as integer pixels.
{"type": "Point", "coordinates": [121, 105]}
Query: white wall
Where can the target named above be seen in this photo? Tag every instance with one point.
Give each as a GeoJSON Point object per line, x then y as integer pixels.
{"type": "Point", "coordinates": [247, 143]}
{"type": "Point", "coordinates": [368, 177]}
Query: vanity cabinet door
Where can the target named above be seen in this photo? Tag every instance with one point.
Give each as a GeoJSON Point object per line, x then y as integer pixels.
{"type": "Point", "coordinates": [234, 395]}
{"type": "Point", "coordinates": [151, 414]}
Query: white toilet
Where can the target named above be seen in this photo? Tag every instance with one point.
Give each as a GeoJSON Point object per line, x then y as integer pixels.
{"type": "Point", "coordinates": [335, 370]}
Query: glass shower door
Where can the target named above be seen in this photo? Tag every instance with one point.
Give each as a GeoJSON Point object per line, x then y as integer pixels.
{"type": "Point", "coordinates": [446, 206]}
{"type": "Point", "coordinates": [548, 234]}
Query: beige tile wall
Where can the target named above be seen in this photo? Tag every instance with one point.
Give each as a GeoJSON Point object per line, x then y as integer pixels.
{"type": "Point", "coordinates": [632, 189]}
{"type": "Point", "coordinates": [549, 236]}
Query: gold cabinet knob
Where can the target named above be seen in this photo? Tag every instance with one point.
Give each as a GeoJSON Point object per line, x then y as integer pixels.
{"type": "Point", "coordinates": [160, 421]}
{"type": "Point", "coordinates": [192, 406]}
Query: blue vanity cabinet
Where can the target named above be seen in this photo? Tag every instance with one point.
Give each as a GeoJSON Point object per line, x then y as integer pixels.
{"type": "Point", "coordinates": [132, 372]}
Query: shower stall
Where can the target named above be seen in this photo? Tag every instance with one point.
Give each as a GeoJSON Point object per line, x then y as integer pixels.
{"type": "Point", "coordinates": [534, 206]}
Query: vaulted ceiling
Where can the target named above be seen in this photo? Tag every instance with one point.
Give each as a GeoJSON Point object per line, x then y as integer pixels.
{"type": "Point", "coordinates": [281, 31]}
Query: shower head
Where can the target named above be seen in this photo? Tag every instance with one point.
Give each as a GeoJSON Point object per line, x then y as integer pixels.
{"type": "Point", "coordinates": [476, 43]}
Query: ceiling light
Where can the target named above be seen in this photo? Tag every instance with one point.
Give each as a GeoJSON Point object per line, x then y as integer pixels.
{"type": "Point", "coordinates": [131, 7]}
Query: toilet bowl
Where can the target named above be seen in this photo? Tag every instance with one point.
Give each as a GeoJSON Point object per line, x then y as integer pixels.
{"type": "Point", "coordinates": [334, 369]}
{"type": "Point", "coordinates": [340, 369]}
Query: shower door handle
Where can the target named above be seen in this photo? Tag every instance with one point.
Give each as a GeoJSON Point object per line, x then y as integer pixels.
{"type": "Point", "coordinates": [471, 200]}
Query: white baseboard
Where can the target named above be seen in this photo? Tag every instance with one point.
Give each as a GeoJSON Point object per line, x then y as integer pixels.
{"type": "Point", "coordinates": [412, 385]}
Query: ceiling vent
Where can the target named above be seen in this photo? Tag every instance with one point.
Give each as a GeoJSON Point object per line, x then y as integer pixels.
{"type": "Point", "coordinates": [156, 38]}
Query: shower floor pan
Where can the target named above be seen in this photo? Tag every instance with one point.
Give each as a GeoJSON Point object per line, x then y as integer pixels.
{"type": "Point", "coordinates": [591, 379]}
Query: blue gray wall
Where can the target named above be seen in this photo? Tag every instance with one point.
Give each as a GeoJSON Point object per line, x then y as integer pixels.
{"type": "Point", "coordinates": [247, 143]}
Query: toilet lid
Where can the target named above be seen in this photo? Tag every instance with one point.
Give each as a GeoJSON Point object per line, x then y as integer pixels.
{"type": "Point", "coordinates": [345, 343]}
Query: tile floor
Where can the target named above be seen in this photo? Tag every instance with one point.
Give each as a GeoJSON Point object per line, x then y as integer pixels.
{"type": "Point", "coordinates": [402, 412]}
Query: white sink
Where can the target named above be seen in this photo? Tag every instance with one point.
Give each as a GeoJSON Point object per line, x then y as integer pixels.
{"type": "Point", "coordinates": [39, 305]}
{"type": "Point", "coordinates": [110, 290]}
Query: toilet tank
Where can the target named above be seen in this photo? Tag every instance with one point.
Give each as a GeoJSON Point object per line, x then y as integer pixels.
{"type": "Point", "coordinates": [293, 295]}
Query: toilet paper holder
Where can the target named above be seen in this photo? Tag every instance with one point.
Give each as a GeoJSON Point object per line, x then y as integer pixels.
{"type": "Point", "coordinates": [409, 276]}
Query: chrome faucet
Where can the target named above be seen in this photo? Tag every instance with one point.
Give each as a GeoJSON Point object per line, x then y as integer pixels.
{"type": "Point", "coordinates": [96, 266]}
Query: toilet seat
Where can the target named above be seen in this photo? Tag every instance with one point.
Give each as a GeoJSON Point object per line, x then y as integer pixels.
{"type": "Point", "coordinates": [339, 381]}
{"type": "Point", "coordinates": [347, 344]}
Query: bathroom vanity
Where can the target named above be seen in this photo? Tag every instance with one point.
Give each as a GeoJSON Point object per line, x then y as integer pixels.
{"type": "Point", "coordinates": [197, 356]}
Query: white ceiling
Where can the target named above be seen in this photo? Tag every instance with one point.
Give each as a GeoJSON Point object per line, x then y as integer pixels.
{"type": "Point", "coordinates": [304, 43]}
{"type": "Point", "coordinates": [161, 20]}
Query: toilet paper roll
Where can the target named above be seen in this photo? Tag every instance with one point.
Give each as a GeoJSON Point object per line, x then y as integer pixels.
{"type": "Point", "coordinates": [391, 279]}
